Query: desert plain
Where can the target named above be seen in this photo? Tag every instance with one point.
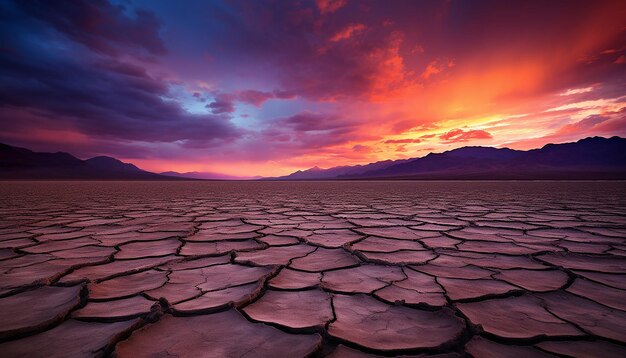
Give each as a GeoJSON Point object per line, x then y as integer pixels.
{"type": "Point", "coordinates": [322, 269]}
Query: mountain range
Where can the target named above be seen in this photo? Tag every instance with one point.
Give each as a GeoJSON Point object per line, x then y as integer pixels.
{"type": "Point", "coordinates": [22, 163]}
{"type": "Point", "coordinates": [590, 158]}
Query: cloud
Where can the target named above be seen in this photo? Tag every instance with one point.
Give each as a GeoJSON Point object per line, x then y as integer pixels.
{"type": "Point", "coordinates": [591, 125]}
{"type": "Point", "coordinates": [254, 97]}
{"type": "Point", "coordinates": [121, 77]}
{"type": "Point", "coordinates": [435, 67]}
{"type": "Point", "coordinates": [257, 98]}
{"type": "Point", "coordinates": [99, 25]}
{"type": "Point", "coordinates": [585, 125]}
{"type": "Point", "coordinates": [607, 124]}
{"type": "Point", "coordinates": [303, 134]}
{"type": "Point", "coordinates": [89, 90]}
{"type": "Point", "coordinates": [291, 41]}
{"type": "Point", "coordinates": [459, 135]}
{"type": "Point", "coordinates": [401, 148]}
{"type": "Point", "coordinates": [572, 91]}
{"type": "Point", "coordinates": [284, 94]}
{"type": "Point", "coordinates": [225, 102]}
{"type": "Point", "coordinates": [309, 121]}
{"type": "Point", "coordinates": [330, 6]}
{"type": "Point", "coordinates": [347, 32]}
{"type": "Point", "coordinates": [222, 104]}
{"type": "Point", "coordinates": [359, 148]}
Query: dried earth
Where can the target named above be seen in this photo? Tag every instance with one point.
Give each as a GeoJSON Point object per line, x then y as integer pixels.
{"type": "Point", "coordinates": [289, 269]}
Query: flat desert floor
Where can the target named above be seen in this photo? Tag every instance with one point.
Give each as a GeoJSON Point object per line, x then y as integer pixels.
{"type": "Point", "coordinates": [291, 269]}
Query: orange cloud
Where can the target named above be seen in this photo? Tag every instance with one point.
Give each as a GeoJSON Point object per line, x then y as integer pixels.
{"type": "Point", "coordinates": [435, 67]}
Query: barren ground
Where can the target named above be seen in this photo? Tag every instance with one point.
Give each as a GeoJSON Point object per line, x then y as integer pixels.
{"type": "Point", "coordinates": [288, 269]}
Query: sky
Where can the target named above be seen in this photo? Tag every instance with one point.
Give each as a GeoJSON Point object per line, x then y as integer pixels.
{"type": "Point", "coordinates": [265, 88]}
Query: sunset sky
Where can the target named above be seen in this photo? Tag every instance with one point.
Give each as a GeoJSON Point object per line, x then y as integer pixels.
{"type": "Point", "coordinates": [269, 87]}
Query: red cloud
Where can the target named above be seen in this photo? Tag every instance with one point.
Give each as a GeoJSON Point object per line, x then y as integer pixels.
{"type": "Point", "coordinates": [435, 67]}
{"type": "Point", "coordinates": [459, 135]}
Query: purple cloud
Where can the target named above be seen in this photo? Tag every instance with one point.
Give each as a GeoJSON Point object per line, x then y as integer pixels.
{"type": "Point", "coordinates": [99, 25]}
{"type": "Point", "coordinates": [90, 90]}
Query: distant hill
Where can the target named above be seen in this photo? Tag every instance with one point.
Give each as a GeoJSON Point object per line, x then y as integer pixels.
{"type": "Point", "coordinates": [589, 158]}
{"type": "Point", "coordinates": [21, 163]}
{"type": "Point", "coordinates": [356, 170]}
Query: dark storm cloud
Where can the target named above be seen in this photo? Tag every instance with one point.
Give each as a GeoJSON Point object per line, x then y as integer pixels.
{"type": "Point", "coordinates": [99, 25]}
{"type": "Point", "coordinates": [81, 89]}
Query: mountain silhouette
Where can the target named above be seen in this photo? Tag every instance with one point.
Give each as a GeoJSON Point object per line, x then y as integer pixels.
{"type": "Point", "coordinates": [21, 163]}
{"type": "Point", "coordinates": [589, 158]}
{"type": "Point", "coordinates": [342, 171]}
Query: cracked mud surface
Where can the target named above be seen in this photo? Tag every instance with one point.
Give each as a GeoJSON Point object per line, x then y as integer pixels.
{"type": "Point", "coordinates": [289, 269]}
